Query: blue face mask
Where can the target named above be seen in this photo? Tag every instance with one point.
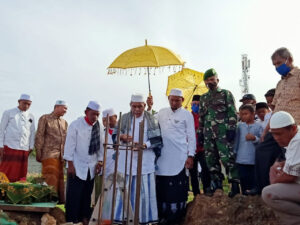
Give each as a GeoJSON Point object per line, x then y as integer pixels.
{"type": "Point", "coordinates": [283, 69]}
{"type": "Point", "coordinates": [195, 108]}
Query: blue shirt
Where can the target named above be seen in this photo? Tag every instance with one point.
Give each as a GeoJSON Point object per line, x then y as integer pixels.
{"type": "Point", "coordinates": [244, 149]}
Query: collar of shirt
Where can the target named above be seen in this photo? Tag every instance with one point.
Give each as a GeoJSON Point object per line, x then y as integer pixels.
{"type": "Point", "coordinates": [293, 72]}
{"type": "Point", "coordinates": [21, 112]}
{"type": "Point", "coordinates": [217, 90]}
{"type": "Point", "coordinates": [176, 110]}
{"type": "Point", "coordinates": [87, 121]}
{"type": "Point", "coordinates": [295, 138]}
{"type": "Point", "coordinates": [54, 116]}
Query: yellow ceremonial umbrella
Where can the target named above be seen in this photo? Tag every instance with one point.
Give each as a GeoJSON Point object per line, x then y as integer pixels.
{"type": "Point", "coordinates": [146, 57]}
{"type": "Point", "coordinates": [190, 82]}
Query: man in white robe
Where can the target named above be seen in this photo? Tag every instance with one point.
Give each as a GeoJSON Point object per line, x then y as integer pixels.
{"type": "Point", "coordinates": [179, 145]}
{"type": "Point", "coordinates": [83, 153]}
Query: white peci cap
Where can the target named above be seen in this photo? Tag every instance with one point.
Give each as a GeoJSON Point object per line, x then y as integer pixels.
{"type": "Point", "coordinates": [176, 92]}
{"type": "Point", "coordinates": [60, 102]}
{"type": "Point", "coordinates": [109, 112]}
{"type": "Point", "coordinates": [281, 119]}
{"type": "Point", "coordinates": [137, 98]}
{"type": "Point", "coordinates": [94, 105]}
{"type": "Point", "coordinates": [25, 97]}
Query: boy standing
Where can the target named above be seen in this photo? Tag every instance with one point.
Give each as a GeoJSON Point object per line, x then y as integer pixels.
{"type": "Point", "coordinates": [248, 135]}
{"type": "Point", "coordinates": [261, 110]}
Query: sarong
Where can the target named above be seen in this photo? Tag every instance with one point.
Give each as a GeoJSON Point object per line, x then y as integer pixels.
{"type": "Point", "coordinates": [52, 171]}
{"type": "Point", "coordinates": [148, 206]}
{"type": "Point", "coordinates": [172, 193]}
{"type": "Point", "coordinates": [78, 199]}
{"type": "Point", "coordinates": [14, 164]}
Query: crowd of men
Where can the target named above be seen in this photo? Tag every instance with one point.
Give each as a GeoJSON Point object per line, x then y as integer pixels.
{"type": "Point", "coordinates": [258, 146]}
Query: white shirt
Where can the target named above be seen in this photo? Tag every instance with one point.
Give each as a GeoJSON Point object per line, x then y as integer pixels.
{"type": "Point", "coordinates": [179, 140]}
{"type": "Point", "coordinates": [148, 154]}
{"type": "Point", "coordinates": [17, 129]}
{"type": "Point", "coordinates": [77, 148]}
{"type": "Point", "coordinates": [110, 162]}
{"type": "Point", "coordinates": [266, 120]}
{"type": "Point", "coordinates": [292, 155]}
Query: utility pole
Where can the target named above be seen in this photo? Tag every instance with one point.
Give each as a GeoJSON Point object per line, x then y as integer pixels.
{"type": "Point", "coordinates": [244, 81]}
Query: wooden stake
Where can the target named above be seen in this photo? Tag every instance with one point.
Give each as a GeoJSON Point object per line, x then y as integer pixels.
{"type": "Point", "coordinates": [139, 172]}
{"type": "Point", "coordinates": [116, 169]}
{"type": "Point", "coordinates": [103, 174]}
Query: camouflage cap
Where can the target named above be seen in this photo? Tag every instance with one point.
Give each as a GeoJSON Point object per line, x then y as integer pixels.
{"type": "Point", "coordinates": [210, 73]}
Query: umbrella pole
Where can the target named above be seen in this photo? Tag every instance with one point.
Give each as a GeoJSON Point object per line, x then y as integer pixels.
{"type": "Point", "coordinates": [149, 81]}
{"type": "Point", "coordinates": [191, 96]}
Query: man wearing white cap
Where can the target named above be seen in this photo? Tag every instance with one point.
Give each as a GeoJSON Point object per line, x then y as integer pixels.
{"type": "Point", "coordinates": [179, 145]}
{"type": "Point", "coordinates": [110, 162]}
{"type": "Point", "coordinates": [283, 193]}
{"type": "Point", "coordinates": [16, 139]}
{"type": "Point", "coordinates": [83, 153]}
{"type": "Point", "coordinates": [152, 145]}
{"type": "Point", "coordinates": [49, 144]}
{"type": "Point", "coordinates": [110, 125]}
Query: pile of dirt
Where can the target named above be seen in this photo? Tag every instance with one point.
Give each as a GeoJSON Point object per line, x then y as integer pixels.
{"type": "Point", "coordinates": [222, 210]}
{"type": "Point", "coordinates": [59, 215]}
{"type": "Point", "coordinates": [27, 218]}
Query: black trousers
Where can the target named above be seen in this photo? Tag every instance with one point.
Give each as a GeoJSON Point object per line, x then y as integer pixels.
{"type": "Point", "coordinates": [78, 199]}
{"type": "Point", "coordinates": [247, 177]}
{"type": "Point", "coordinates": [205, 176]}
{"type": "Point", "coordinates": [266, 154]}
{"type": "Point", "coordinates": [172, 194]}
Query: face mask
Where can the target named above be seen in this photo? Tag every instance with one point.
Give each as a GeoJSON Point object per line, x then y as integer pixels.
{"type": "Point", "coordinates": [283, 69]}
{"type": "Point", "coordinates": [195, 108]}
{"type": "Point", "coordinates": [211, 86]}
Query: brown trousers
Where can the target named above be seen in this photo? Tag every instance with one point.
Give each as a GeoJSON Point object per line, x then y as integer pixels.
{"type": "Point", "coordinates": [52, 171]}
{"type": "Point", "coordinates": [284, 199]}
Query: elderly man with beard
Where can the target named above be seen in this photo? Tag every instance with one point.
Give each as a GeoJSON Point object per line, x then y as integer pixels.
{"type": "Point", "coordinates": [152, 144]}
{"type": "Point", "coordinates": [218, 120]}
{"type": "Point", "coordinates": [177, 156]}
{"type": "Point", "coordinates": [286, 98]}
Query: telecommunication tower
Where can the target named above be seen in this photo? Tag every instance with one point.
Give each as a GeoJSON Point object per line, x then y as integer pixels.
{"type": "Point", "coordinates": [244, 81]}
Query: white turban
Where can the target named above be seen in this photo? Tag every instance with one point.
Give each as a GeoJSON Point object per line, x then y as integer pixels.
{"type": "Point", "coordinates": [281, 119]}
{"type": "Point", "coordinates": [25, 97]}
{"type": "Point", "coordinates": [137, 98]}
{"type": "Point", "coordinates": [176, 92]}
{"type": "Point", "coordinates": [109, 112]}
{"type": "Point", "coordinates": [94, 105]}
{"type": "Point", "coordinates": [60, 102]}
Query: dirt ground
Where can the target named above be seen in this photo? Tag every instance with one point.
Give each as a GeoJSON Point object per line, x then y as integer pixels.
{"type": "Point", "coordinates": [222, 210]}
{"type": "Point", "coordinates": [23, 218]}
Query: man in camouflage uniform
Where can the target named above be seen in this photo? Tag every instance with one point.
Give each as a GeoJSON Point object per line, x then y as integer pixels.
{"type": "Point", "coordinates": [218, 121]}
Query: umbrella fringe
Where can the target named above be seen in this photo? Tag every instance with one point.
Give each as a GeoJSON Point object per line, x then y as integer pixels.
{"type": "Point", "coordinates": [143, 70]}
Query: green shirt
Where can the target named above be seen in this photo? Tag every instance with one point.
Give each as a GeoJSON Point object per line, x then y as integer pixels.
{"type": "Point", "coordinates": [217, 107]}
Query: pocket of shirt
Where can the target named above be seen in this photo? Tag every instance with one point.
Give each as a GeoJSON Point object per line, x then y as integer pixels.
{"type": "Point", "coordinates": [178, 124]}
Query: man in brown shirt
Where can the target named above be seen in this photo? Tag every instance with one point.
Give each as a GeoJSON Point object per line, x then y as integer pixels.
{"type": "Point", "coordinates": [287, 94]}
{"type": "Point", "coordinates": [286, 98]}
{"type": "Point", "coordinates": [49, 144]}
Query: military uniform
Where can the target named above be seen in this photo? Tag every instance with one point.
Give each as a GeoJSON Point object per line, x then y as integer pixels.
{"type": "Point", "coordinates": [217, 120]}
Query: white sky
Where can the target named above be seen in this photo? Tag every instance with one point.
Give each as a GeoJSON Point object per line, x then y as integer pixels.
{"type": "Point", "coordinates": [60, 49]}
